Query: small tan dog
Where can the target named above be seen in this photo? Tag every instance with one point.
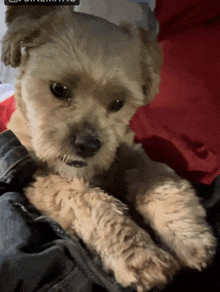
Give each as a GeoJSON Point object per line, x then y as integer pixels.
{"type": "Point", "coordinates": [81, 80]}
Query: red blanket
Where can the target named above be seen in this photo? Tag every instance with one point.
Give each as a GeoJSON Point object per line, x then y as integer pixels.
{"type": "Point", "coordinates": [7, 107]}
{"type": "Point", "coordinates": [182, 125]}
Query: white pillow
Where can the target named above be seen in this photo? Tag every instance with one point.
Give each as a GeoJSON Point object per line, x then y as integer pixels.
{"type": "Point", "coordinates": [6, 90]}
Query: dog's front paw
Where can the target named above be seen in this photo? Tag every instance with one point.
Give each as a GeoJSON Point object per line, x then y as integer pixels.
{"type": "Point", "coordinates": [145, 268]}
{"type": "Point", "coordinates": [197, 251]}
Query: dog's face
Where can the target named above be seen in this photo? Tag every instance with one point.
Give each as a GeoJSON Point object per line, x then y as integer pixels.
{"type": "Point", "coordinates": [82, 79]}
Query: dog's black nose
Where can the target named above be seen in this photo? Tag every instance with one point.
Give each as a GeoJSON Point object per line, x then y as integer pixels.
{"type": "Point", "coordinates": [87, 145]}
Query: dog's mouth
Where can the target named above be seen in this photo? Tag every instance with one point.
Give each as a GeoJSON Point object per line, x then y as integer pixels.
{"type": "Point", "coordinates": [77, 163]}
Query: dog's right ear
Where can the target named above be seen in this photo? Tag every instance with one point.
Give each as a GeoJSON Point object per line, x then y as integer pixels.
{"type": "Point", "coordinates": [26, 28]}
{"type": "Point", "coordinates": [33, 12]}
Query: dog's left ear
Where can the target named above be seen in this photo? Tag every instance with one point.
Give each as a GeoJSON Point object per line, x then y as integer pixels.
{"type": "Point", "coordinates": [151, 63]}
{"type": "Point", "coordinates": [150, 59]}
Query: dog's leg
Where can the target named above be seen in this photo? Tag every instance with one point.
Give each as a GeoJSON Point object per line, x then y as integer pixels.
{"type": "Point", "coordinates": [100, 221]}
{"type": "Point", "coordinates": [169, 204]}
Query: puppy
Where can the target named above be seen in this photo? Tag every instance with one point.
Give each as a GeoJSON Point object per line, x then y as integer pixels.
{"type": "Point", "coordinates": [81, 80]}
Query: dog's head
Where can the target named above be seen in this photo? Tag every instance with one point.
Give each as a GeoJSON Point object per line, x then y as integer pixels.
{"type": "Point", "coordinates": [81, 80]}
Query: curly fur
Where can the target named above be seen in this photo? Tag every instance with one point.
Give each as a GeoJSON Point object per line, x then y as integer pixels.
{"type": "Point", "coordinates": [99, 63]}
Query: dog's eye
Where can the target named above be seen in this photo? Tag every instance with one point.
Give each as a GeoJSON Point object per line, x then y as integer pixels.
{"type": "Point", "coordinates": [116, 105]}
{"type": "Point", "coordinates": [60, 91]}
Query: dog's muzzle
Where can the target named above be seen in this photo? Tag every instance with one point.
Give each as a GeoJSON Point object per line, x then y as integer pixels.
{"type": "Point", "coordinates": [85, 145]}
